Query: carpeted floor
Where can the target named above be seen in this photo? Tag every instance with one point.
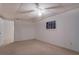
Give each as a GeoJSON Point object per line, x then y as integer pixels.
{"type": "Point", "coordinates": [34, 47]}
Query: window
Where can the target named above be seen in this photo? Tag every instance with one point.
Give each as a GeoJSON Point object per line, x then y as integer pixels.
{"type": "Point", "coordinates": [51, 25]}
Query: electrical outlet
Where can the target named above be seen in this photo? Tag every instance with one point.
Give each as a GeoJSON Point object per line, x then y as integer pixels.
{"type": "Point", "coordinates": [0, 32]}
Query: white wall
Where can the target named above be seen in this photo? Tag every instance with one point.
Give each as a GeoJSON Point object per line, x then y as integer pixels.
{"type": "Point", "coordinates": [66, 33]}
{"type": "Point", "coordinates": [6, 32]}
{"type": "Point", "coordinates": [24, 30]}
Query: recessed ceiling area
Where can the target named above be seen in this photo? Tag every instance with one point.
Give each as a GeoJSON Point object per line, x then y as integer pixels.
{"type": "Point", "coordinates": [33, 11]}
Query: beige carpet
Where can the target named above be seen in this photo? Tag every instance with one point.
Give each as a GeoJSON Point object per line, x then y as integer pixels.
{"type": "Point", "coordinates": [33, 47]}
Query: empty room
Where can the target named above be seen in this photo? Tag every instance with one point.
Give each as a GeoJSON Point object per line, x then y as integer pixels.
{"type": "Point", "coordinates": [39, 28]}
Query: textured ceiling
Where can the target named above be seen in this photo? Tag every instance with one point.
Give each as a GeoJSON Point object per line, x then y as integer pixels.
{"type": "Point", "coordinates": [28, 12]}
